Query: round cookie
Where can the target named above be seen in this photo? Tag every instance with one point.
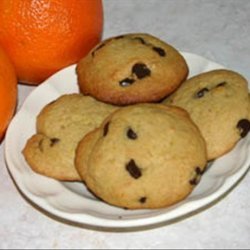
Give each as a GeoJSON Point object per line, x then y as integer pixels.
{"type": "Point", "coordinates": [130, 69]}
{"type": "Point", "coordinates": [60, 126]}
{"type": "Point", "coordinates": [217, 101]}
{"type": "Point", "coordinates": [143, 156]}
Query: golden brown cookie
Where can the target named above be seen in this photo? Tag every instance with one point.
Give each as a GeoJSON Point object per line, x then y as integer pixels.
{"type": "Point", "coordinates": [60, 126]}
{"type": "Point", "coordinates": [143, 156]}
{"type": "Point", "coordinates": [218, 103]}
{"type": "Point", "coordinates": [131, 68]}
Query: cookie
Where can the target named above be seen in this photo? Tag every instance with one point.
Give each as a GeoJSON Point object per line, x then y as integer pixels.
{"type": "Point", "coordinates": [60, 126]}
{"type": "Point", "coordinates": [143, 156]}
{"type": "Point", "coordinates": [131, 68]}
{"type": "Point", "coordinates": [217, 101]}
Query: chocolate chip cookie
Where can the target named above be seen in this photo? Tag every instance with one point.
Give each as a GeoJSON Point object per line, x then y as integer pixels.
{"type": "Point", "coordinates": [131, 68]}
{"type": "Point", "coordinates": [217, 101]}
{"type": "Point", "coordinates": [60, 126]}
{"type": "Point", "coordinates": [143, 156]}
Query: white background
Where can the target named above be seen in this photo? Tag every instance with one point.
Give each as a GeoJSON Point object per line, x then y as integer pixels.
{"type": "Point", "coordinates": [218, 30]}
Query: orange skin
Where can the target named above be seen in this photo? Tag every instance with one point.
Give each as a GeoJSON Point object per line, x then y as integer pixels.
{"type": "Point", "coordinates": [8, 92]}
{"type": "Point", "coordinates": [44, 36]}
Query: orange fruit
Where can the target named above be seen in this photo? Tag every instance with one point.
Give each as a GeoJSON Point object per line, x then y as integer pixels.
{"type": "Point", "coordinates": [8, 91]}
{"type": "Point", "coordinates": [43, 36]}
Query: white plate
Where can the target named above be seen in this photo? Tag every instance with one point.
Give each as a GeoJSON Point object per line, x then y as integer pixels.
{"type": "Point", "coordinates": [72, 202]}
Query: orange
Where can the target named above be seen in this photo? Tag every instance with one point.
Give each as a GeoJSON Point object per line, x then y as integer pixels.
{"type": "Point", "coordinates": [43, 36]}
{"type": "Point", "coordinates": [8, 91]}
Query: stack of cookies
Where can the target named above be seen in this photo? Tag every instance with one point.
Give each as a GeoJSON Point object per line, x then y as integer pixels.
{"type": "Point", "coordinates": [139, 134]}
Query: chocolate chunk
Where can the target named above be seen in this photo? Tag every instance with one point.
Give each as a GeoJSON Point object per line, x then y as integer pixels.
{"type": "Point", "coordinates": [126, 82]}
{"type": "Point", "coordinates": [133, 169]}
{"type": "Point", "coordinates": [54, 141]}
{"type": "Point", "coordinates": [198, 174]}
{"type": "Point", "coordinates": [141, 70]}
{"type": "Point", "coordinates": [140, 39]}
{"type": "Point", "coordinates": [131, 134]}
{"type": "Point", "coordinates": [194, 181]}
{"type": "Point", "coordinates": [160, 51]}
{"type": "Point", "coordinates": [99, 47]}
{"type": "Point", "coordinates": [198, 171]}
{"type": "Point", "coordinates": [221, 84]}
{"type": "Point", "coordinates": [244, 126]}
{"type": "Point", "coordinates": [106, 129]}
{"type": "Point", "coordinates": [201, 92]}
{"type": "Point", "coordinates": [143, 200]}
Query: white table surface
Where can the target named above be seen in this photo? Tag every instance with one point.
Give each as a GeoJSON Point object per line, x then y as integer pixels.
{"type": "Point", "coordinates": [218, 30]}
